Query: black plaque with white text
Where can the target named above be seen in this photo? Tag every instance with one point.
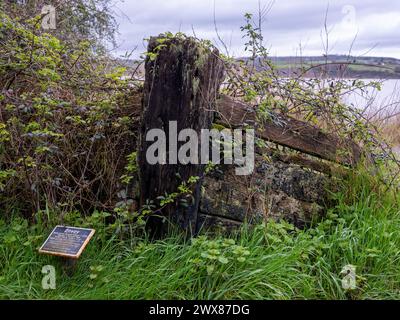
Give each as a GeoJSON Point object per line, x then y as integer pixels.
{"type": "Point", "coordinates": [67, 241]}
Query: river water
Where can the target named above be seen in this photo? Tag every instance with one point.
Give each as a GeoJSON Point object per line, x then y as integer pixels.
{"type": "Point", "coordinates": [378, 105]}
{"type": "Point", "coordinates": [386, 101]}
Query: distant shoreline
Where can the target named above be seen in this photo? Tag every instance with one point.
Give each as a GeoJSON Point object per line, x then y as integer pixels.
{"type": "Point", "coordinates": [335, 66]}
{"type": "Point", "coordinates": [339, 67]}
{"type": "Point", "coordinates": [348, 75]}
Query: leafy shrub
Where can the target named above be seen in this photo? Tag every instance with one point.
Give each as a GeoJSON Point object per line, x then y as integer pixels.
{"type": "Point", "coordinates": [67, 122]}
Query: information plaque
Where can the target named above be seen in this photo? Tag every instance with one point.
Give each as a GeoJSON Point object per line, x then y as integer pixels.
{"type": "Point", "coordinates": [67, 242]}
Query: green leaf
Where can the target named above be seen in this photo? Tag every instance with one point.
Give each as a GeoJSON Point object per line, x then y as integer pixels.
{"type": "Point", "coordinates": [210, 270]}
{"type": "Point", "coordinates": [9, 238]}
{"type": "Point", "coordinates": [223, 260]}
{"type": "Point", "coordinates": [17, 228]}
{"type": "Point", "coordinates": [99, 268]}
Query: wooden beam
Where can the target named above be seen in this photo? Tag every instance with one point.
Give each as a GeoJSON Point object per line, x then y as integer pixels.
{"type": "Point", "coordinates": [290, 132]}
{"type": "Point", "coordinates": [316, 165]}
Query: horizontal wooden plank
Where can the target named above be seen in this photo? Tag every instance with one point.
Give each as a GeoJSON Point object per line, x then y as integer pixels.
{"type": "Point", "coordinates": [210, 223]}
{"type": "Point", "coordinates": [316, 165]}
{"type": "Point", "coordinates": [289, 132]}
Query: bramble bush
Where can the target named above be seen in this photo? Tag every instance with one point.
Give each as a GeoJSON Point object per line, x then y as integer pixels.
{"type": "Point", "coordinates": [67, 123]}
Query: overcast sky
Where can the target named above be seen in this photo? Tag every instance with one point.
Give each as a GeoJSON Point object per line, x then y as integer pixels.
{"type": "Point", "coordinates": [289, 25]}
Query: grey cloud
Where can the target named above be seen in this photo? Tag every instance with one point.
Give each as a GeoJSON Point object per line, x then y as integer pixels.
{"type": "Point", "coordinates": [288, 23]}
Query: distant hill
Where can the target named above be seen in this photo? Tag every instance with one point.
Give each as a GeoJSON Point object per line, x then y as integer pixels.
{"type": "Point", "coordinates": [336, 66]}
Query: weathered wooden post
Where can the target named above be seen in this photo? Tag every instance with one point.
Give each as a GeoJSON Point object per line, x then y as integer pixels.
{"type": "Point", "coordinates": [182, 81]}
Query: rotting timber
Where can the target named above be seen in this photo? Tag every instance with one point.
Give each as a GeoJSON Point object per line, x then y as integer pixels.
{"type": "Point", "coordinates": [182, 83]}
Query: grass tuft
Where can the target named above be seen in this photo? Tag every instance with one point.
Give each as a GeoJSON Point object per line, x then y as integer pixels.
{"type": "Point", "coordinates": [273, 261]}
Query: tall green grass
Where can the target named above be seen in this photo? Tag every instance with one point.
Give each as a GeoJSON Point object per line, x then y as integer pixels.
{"type": "Point", "coordinates": [273, 261]}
